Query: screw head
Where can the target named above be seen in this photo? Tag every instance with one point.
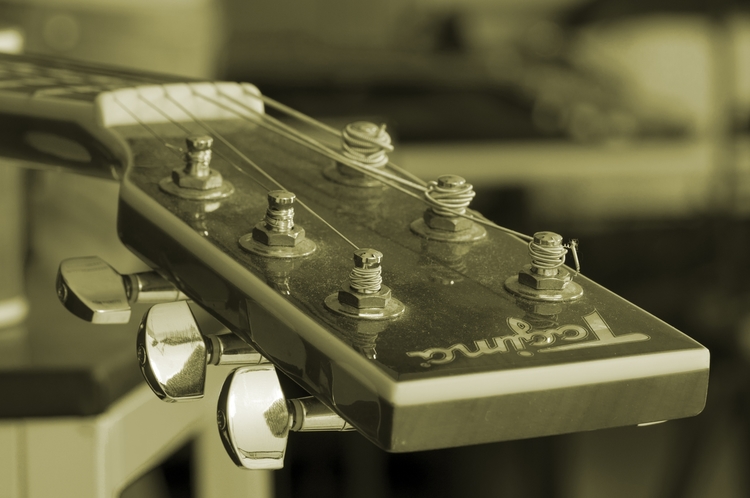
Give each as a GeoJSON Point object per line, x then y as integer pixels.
{"type": "Point", "coordinates": [451, 181]}
{"type": "Point", "coordinates": [548, 239]}
{"type": "Point", "coordinates": [281, 199]}
{"type": "Point", "coordinates": [367, 258]}
{"type": "Point", "coordinates": [197, 143]}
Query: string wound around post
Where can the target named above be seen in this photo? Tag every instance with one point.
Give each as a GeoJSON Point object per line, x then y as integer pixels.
{"type": "Point", "coordinates": [363, 295]}
{"type": "Point", "coordinates": [545, 279]}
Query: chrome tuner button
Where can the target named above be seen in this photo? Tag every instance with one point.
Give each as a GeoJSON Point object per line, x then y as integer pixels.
{"type": "Point", "coordinates": [93, 291]}
{"type": "Point", "coordinates": [173, 354]}
{"type": "Point", "coordinates": [254, 418]}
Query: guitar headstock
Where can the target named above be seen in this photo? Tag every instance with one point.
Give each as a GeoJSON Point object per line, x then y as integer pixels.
{"type": "Point", "coordinates": [416, 320]}
{"type": "Point", "coordinates": [419, 322]}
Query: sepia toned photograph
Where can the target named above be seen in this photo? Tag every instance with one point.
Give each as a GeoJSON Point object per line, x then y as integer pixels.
{"type": "Point", "coordinates": [384, 249]}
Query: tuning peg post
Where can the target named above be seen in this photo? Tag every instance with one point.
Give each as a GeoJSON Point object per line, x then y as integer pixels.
{"type": "Point", "coordinates": [173, 354]}
{"type": "Point", "coordinates": [255, 418]}
{"type": "Point", "coordinates": [93, 291]}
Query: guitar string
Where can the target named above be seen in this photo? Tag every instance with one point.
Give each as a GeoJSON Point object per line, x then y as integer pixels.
{"type": "Point", "coordinates": [189, 132]}
{"type": "Point", "coordinates": [470, 214]}
{"type": "Point", "coordinates": [255, 166]}
{"type": "Point", "coordinates": [338, 133]}
{"type": "Point", "coordinates": [365, 170]}
{"type": "Point", "coordinates": [308, 119]}
{"type": "Point", "coordinates": [377, 173]}
{"type": "Point", "coordinates": [572, 246]}
{"type": "Point", "coordinates": [292, 134]}
{"type": "Point", "coordinates": [299, 137]}
{"type": "Point", "coordinates": [174, 149]}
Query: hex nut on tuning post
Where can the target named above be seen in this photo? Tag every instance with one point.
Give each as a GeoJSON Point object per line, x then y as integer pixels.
{"type": "Point", "coordinates": [196, 180]}
{"type": "Point", "coordinates": [173, 354]}
{"type": "Point", "coordinates": [277, 235]}
{"type": "Point", "coordinates": [453, 224]}
{"type": "Point", "coordinates": [528, 277]}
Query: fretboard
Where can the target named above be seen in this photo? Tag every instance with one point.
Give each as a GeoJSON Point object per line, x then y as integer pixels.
{"type": "Point", "coordinates": [45, 77]}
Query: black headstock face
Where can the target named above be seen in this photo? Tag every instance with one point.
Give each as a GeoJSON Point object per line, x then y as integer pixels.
{"type": "Point", "coordinates": [466, 362]}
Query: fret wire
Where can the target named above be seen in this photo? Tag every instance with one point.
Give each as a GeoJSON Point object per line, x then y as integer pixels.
{"type": "Point", "coordinates": [42, 62]}
{"type": "Point", "coordinates": [256, 166]}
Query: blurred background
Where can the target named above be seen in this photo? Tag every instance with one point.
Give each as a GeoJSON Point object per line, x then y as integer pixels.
{"type": "Point", "coordinates": [625, 124]}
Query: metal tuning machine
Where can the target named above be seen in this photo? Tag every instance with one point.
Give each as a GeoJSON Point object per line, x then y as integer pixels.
{"type": "Point", "coordinates": [93, 291]}
{"type": "Point", "coordinates": [173, 354]}
{"type": "Point", "coordinates": [255, 418]}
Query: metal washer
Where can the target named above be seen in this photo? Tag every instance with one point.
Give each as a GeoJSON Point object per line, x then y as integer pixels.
{"type": "Point", "coordinates": [571, 292]}
{"type": "Point", "coordinates": [304, 248]}
{"type": "Point", "coordinates": [168, 186]}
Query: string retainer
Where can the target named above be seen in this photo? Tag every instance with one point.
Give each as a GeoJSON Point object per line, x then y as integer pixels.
{"type": "Point", "coordinates": [363, 295]}
{"type": "Point", "coordinates": [196, 179]}
{"type": "Point", "coordinates": [277, 235]}
{"type": "Point", "coordinates": [545, 278]}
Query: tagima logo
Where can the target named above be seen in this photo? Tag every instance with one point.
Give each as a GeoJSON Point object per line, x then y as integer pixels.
{"type": "Point", "coordinates": [525, 338]}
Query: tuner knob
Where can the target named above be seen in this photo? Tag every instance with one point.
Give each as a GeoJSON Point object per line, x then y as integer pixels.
{"type": "Point", "coordinates": [255, 418]}
{"type": "Point", "coordinates": [93, 291]}
{"type": "Point", "coordinates": [173, 354]}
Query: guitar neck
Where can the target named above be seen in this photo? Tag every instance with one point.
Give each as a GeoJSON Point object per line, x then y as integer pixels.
{"type": "Point", "coordinates": [49, 113]}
